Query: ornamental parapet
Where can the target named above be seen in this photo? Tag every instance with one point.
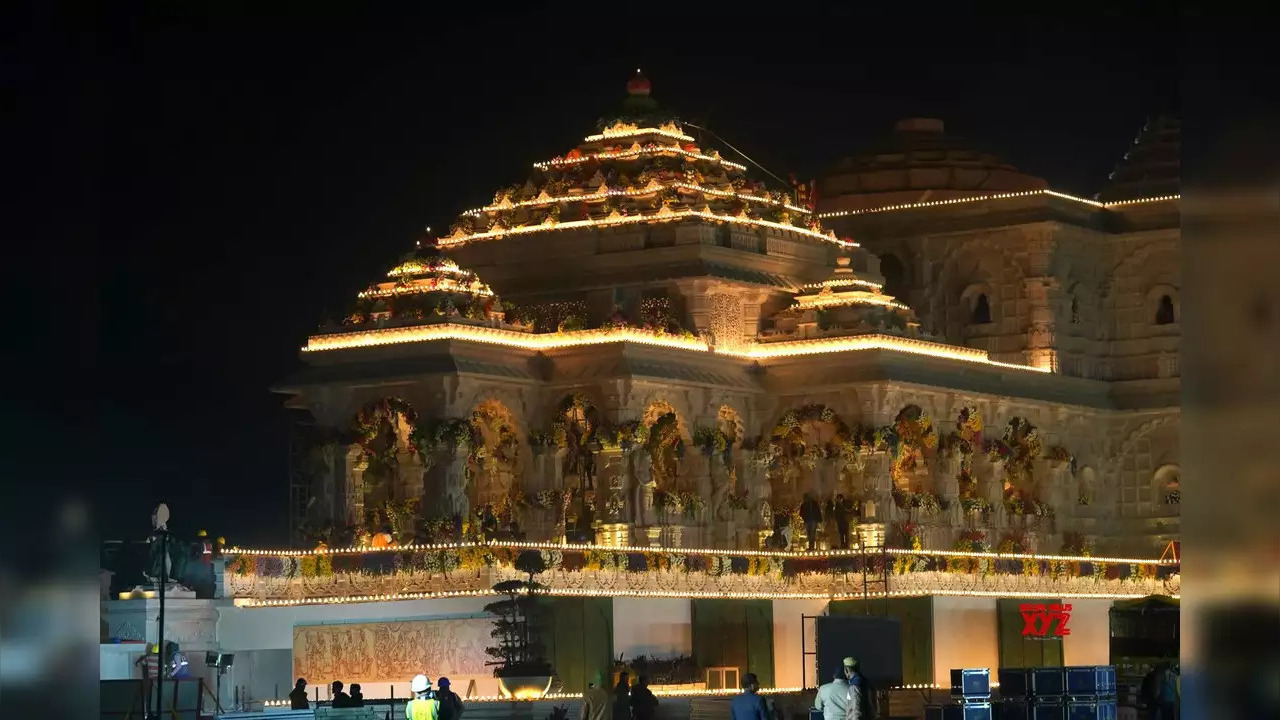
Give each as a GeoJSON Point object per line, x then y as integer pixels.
{"type": "Point", "coordinates": [267, 578]}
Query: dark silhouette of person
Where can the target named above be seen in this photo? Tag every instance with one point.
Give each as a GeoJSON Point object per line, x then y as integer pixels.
{"type": "Point", "coordinates": [357, 697]}
{"type": "Point", "coordinates": [811, 513]}
{"type": "Point", "coordinates": [644, 705]}
{"type": "Point", "coordinates": [622, 698]}
{"type": "Point", "coordinates": [450, 703]}
{"type": "Point", "coordinates": [298, 698]}
{"type": "Point", "coordinates": [841, 511]}
{"type": "Point", "coordinates": [340, 699]}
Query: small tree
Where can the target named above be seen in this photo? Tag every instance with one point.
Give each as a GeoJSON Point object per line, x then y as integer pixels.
{"type": "Point", "coordinates": [517, 627]}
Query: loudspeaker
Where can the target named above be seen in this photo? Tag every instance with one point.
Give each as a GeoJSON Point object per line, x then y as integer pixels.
{"type": "Point", "coordinates": [1014, 682]}
{"type": "Point", "coordinates": [1092, 709]}
{"type": "Point", "coordinates": [971, 683]}
{"type": "Point", "coordinates": [1091, 680]}
{"type": "Point", "coordinates": [1048, 682]}
{"type": "Point", "coordinates": [1023, 709]}
{"type": "Point", "coordinates": [967, 711]}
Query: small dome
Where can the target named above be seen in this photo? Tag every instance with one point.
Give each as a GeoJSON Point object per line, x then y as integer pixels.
{"type": "Point", "coordinates": [425, 287]}
{"type": "Point", "coordinates": [919, 162]}
{"type": "Point", "coordinates": [638, 85]}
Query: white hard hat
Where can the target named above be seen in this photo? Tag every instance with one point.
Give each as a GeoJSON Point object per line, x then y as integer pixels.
{"type": "Point", "coordinates": [420, 683]}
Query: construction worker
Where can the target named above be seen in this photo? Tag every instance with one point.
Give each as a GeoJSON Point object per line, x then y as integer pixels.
{"type": "Point", "coordinates": [424, 705]}
{"type": "Point", "coordinates": [150, 663]}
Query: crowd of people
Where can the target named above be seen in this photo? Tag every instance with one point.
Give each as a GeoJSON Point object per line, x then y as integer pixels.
{"type": "Point", "coordinates": [628, 701]}
{"type": "Point", "coordinates": [427, 703]}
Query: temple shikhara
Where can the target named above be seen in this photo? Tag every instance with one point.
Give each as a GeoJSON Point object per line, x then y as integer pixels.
{"type": "Point", "coordinates": [926, 385]}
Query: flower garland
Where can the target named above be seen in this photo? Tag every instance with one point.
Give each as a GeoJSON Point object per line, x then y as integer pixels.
{"type": "Point", "coordinates": [375, 432]}
{"type": "Point", "coordinates": [473, 559]}
{"type": "Point", "coordinates": [927, 502]}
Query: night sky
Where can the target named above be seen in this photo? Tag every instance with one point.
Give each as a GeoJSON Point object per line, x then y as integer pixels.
{"type": "Point", "coordinates": [257, 172]}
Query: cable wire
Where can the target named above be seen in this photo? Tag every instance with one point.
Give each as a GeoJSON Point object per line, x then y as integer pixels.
{"type": "Point", "coordinates": [740, 154]}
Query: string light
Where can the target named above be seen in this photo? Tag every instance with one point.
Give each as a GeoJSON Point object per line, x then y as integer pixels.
{"type": "Point", "coordinates": [556, 340]}
{"type": "Point", "coordinates": [417, 267]}
{"type": "Point", "coordinates": [781, 554]}
{"type": "Point", "coordinates": [652, 187]}
{"type": "Point", "coordinates": [997, 196]}
{"type": "Point", "coordinates": [635, 152]}
{"type": "Point", "coordinates": [254, 603]}
{"type": "Point", "coordinates": [431, 285]}
{"type": "Point", "coordinates": [1139, 201]}
{"type": "Point", "coordinates": [664, 214]}
{"type": "Point", "coordinates": [841, 282]}
{"type": "Point", "coordinates": [626, 131]}
{"type": "Point", "coordinates": [807, 302]}
{"type": "Point", "coordinates": [724, 692]}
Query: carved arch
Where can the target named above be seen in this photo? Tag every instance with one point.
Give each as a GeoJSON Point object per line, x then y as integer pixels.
{"type": "Point", "coordinates": [1126, 446]}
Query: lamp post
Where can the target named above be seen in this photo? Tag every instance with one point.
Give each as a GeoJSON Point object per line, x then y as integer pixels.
{"type": "Point", "coordinates": [159, 521]}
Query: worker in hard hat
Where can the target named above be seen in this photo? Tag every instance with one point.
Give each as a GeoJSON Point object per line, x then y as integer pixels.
{"type": "Point", "coordinates": [150, 662]}
{"type": "Point", "coordinates": [424, 705]}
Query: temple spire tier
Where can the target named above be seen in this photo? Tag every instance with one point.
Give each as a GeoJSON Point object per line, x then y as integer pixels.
{"type": "Point", "coordinates": [640, 166]}
{"type": "Point", "coordinates": [850, 302]}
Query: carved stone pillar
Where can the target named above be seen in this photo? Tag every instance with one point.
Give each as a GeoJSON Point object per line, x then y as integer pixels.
{"type": "Point", "coordinates": [1042, 292]}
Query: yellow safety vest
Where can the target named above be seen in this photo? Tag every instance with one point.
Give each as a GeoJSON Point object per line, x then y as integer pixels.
{"type": "Point", "coordinates": [419, 709]}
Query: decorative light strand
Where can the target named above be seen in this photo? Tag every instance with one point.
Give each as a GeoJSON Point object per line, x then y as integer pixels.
{"type": "Point", "coordinates": [635, 152]}
{"type": "Point", "coordinates": [841, 282]}
{"type": "Point", "coordinates": [662, 215]}
{"type": "Point", "coordinates": [652, 187]}
{"type": "Point", "coordinates": [254, 603]}
{"type": "Point", "coordinates": [784, 554]}
{"type": "Point", "coordinates": [550, 341]}
{"type": "Point", "coordinates": [631, 131]}
{"type": "Point", "coordinates": [1139, 201]}
{"type": "Point", "coordinates": [417, 267]}
{"type": "Point", "coordinates": [997, 196]}
{"type": "Point", "coordinates": [431, 285]}
{"type": "Point", "coordinates": [725, 692]}
{"type": "Point", "coordinates": [846, 298]}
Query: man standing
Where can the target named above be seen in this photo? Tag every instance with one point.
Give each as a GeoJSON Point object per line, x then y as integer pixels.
{"type": "Point", "coordinates": [811, 513]}
{"type": "Point", "coordinates": [1166, 693]}
{"type": "Point", "coordinates": [833, 698]}
{"type": "Point", "coordinates": [450, 703]}
{"type": "Point", "coordinates": [748, 705]}
{"type": "Point", "coordinates": [339, 699]}
{"type": "Point", "coordinates": [423, 706]}
{"type": "Point", "coordinates": [860, 705]}
{"type": "Point", "coordinates": [841, 511]}
{"type": "Point", "coordinates": [298, 698]}
{"type": "Point", "coordinates": [622, 698]}
{"type": "Point", "coordinates": [643, 703]}
{"type": "Point", "coordinates": [596, 703]}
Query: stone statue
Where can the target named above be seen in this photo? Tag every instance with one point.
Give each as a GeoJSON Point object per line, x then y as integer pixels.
{"type": "Point", "coordinates": [455, 489]}
{"type": "Point", "coordinates": [645, 486]}
{"type": "Point", "coordinates": [168, 556]}
{"type": "Point", "coordinates": [719, 492]}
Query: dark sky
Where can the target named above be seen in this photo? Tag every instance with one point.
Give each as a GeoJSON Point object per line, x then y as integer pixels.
{"type": "Point", "coordinates": [257, 171]}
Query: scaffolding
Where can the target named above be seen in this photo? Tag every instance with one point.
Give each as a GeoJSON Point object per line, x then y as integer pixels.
{"type": "Point", "coordinates": [878, 551]}
{"type": "Point", "coordinates": [301, 434]}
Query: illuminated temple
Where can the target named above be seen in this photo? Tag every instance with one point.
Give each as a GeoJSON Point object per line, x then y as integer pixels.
{"type": "Point", "coordinates": [640, 361]}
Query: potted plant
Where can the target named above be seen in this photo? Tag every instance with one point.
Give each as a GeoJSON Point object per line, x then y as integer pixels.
{"type": "Point", "coordinates": [521, 668]}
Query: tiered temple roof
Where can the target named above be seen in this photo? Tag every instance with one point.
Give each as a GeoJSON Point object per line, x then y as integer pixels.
{"type": "Point", "coordinates": [1151, 167]}
{"type": "Point", "coordinates": [426, 286]}
{"type": "Point", "coordinates": [640, 167]}
{"type": "Point", "coordinates": [919, 162]}
{"type": "Point", "coordinates": [842, 305]}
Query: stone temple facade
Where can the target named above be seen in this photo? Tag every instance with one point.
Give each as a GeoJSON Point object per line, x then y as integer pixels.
{"type": "Point", "coordinates": [642, 345]}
